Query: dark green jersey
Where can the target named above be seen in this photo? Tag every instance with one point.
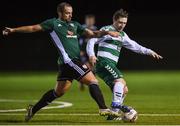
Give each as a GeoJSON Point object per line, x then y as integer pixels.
{"type": "Point", "coordinates": [65, 37]}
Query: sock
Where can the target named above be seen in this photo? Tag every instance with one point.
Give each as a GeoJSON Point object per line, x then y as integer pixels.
{"type": "Point", "coordinates": [123, 97]}
{"type": "Point", "coordinates": [117, 96]}
{"type": "Point", "coordinates": [118, 92]}
{"type": "Point", "coordinates": [47, 98]}
{"type": "Point", "coordinates": [97, 95]}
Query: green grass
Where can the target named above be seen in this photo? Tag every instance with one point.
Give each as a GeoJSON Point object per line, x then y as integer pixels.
{"type": "Point", "coordinates": [151, 92]}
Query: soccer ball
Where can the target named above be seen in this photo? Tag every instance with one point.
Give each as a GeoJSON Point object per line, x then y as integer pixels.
{"type": "Point", "coordinates": [131, 116]}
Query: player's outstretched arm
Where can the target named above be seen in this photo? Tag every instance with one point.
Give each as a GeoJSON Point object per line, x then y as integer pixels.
{"type": "Point", "coordinates": [22, 29]}
{"type": "Point", "coordinates": [97, 34]}
{"type": "Point", "coordinates": [135, 47]}
{"type": "Point", "coordinates": [155, 55]}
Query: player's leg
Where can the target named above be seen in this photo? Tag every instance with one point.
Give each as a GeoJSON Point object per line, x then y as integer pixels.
{"type": "Point", "coordinates": [125, 93]}
{"type": "Point", "coordinates": [59, 90]}
{"type": "Point", "coordinates": [113, 78]}
{"type": "Point", "coordinates": [84, 60]}
{"type": "Point", "coordinates": [119, 92]}
{"type": "Point", "coordinates": [117, 103]}
{"type": "Point", "coordinates": [61, 87]}
{"type": "Point", "coordinates": [47, 98]}
{"type": "Point", "coordinates": [96, 94]}
{"type": "Point", "coordinates": [83, 74]}
{"type": "Point", "coordinates": [90, 80]}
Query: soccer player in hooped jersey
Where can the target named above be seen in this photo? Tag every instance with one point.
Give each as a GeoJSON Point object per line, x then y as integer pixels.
{"type": "Point", "coordinates": [64, 33]}
{"type": "Point", "coordinates": [108, 55]}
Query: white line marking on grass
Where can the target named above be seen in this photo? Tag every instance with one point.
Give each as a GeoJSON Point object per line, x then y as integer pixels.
{"type": "Point", "coordinates": [60, 104]}
{"type": "Point", "coordinates": [159, 114]}
{"type": "Point", "coordinates": [93, 125]}
{"type": "Point", "coordinates": [85, 114]}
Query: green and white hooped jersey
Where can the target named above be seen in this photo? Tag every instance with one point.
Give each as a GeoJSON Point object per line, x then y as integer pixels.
{"type": "Point", "coordinates": [109, 47]}
{"type": "Point", "coordinates": [65, 37]}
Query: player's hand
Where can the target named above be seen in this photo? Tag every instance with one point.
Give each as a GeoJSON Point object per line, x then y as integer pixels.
{"type": "Point", "coordinates": [113, 33]}
{"type": "Point", "coordinates": [156, 56]}
{"type": "Point", "coordinates": [7, 31]}
{"type": "Point", "coordinates": [92, 60]}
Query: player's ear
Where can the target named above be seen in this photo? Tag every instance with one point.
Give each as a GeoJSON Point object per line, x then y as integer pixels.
{"type": "Point", "coordinates": [59, 14]}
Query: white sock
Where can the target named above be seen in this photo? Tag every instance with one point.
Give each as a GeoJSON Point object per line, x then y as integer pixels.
{"type": "Point", "coordinates": [118, 96]}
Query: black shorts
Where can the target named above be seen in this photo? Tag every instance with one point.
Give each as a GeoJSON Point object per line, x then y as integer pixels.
{"type": "Point", "coordinates": [72, 70]}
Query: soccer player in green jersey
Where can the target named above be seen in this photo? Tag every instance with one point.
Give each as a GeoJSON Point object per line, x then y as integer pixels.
{"type": "Point", "coordinates": [64, 33]}
{"type": "Point", "coordinates": [107, 58]}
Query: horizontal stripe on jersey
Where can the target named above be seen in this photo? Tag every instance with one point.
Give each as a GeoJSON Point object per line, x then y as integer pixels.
{"type": "Point", "coordinates": [108, 45]}
{"type": "Point", "coordinates": [108, 55]}
{"type": "Point", "coordinates": [112, 51]}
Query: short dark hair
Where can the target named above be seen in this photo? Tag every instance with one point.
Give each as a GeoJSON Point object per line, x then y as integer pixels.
{"type": "Point", "coordinates": [120, 13]}
{"type": "Point", "coordinates": [61, 6]}
{"type": "Point", "coordinates": [90, 16]}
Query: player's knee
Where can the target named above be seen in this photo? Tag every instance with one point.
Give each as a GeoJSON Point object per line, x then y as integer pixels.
{"type": "Point", "coordinates": [89, 82]}
{"type": "Point", "coordinates": [95, 81]}
{"type": "Point", "coordinates": [89, 79]}
{"type": "Point", "coordinates": [62, 87]}
{"type": "Point", "coordinates": [92, 80]}
{"type": "Point", "coordinates": [59, 93]}
{"type": "Point", "coordinates": [121, 80]}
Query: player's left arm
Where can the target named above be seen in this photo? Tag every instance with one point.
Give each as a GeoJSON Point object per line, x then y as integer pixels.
{"type": "Point", "coordinates": [155, 55]}
{"type": "Point", "coordinates": [135, 47]}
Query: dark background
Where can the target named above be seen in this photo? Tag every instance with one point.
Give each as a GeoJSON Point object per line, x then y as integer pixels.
{"type": "Point", "coordinates": [152, 23]}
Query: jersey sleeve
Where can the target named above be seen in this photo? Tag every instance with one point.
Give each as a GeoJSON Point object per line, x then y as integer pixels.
{"type": "Point", "coordinates": [47, 25]}
{"type": "Point", "coordinates": [90, 45]}
{"type": "Point", "coordinates": [134, 46]}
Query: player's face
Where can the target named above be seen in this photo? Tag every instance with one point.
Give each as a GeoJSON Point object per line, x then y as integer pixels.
{"type": "Point", "coordinates": [67, 13]}
{"type": "Point", "coordinates": [90, 21]}
{"type": "Point", "coordinates": [120, 23]}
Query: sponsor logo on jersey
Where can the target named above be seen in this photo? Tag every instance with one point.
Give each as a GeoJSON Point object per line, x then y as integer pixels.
{"type": "Point", "coordinates": [70, 34]}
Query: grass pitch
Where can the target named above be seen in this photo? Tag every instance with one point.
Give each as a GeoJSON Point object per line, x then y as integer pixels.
{"type": "Point", "coordinates": [154, 94]}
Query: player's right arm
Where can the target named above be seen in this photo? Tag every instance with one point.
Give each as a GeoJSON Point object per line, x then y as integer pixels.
{"type": "Point", "coordinates": [98, 34]}
{"type": "Point", "coordinates": [90, 50]}
{"type": "Point", "coordinates": [22, 29]}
